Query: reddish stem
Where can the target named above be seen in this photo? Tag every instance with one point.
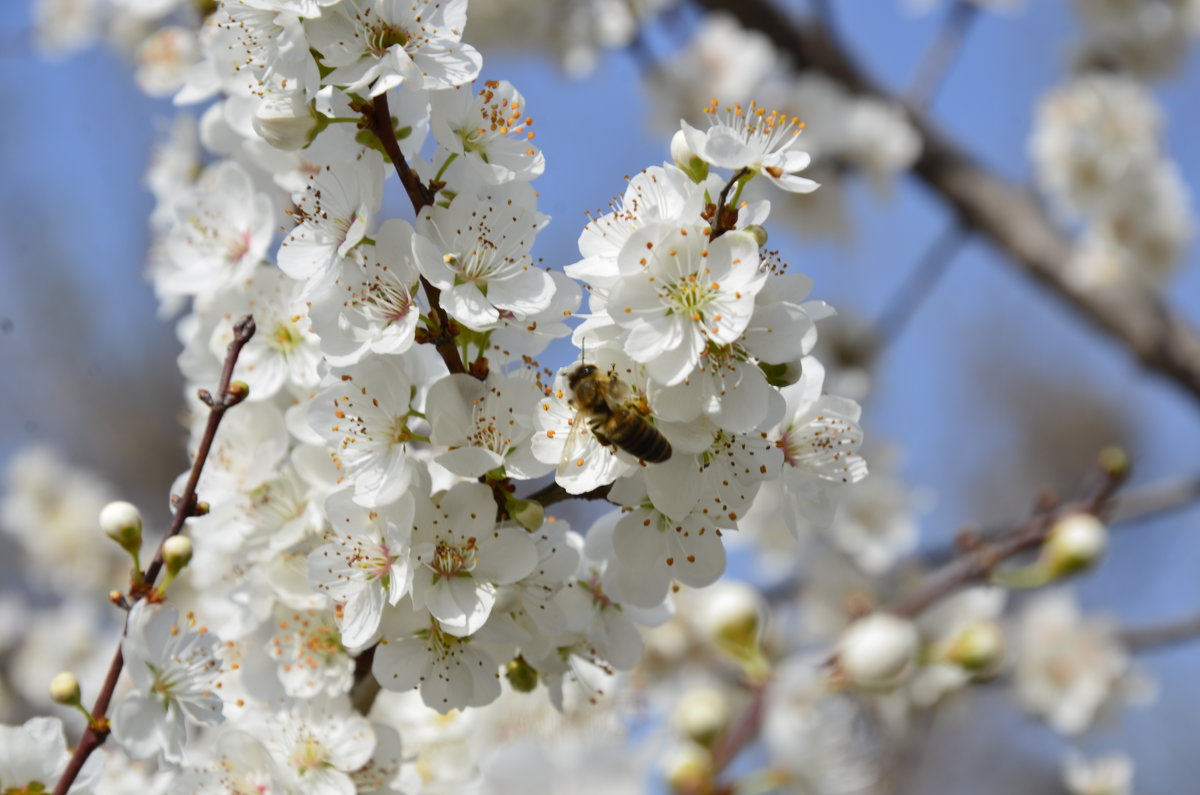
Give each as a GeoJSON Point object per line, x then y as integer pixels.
{"type": "Point", "coordinates": [97, 731]}
{"type": "Point", "coordinates": [380, 119]}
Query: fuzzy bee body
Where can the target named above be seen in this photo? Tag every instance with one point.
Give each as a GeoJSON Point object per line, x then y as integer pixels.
{"type": "Point", "coordinates": [615, 419]}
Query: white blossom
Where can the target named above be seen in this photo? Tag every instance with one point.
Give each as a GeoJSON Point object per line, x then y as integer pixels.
{"type": "Point", "coordinates": [476, 251]}
{"type": "Point", "coordinates": [1110, 774]}
{"type": "Point", "coordinates": [460, 555]}
{"type": "Point", "coordinates": [372, 307]}
{"type": "Point", "coordinates": [334, 215]}
{"type": "Point", "coordinates": [366, 563]}
{"type": "Point", "coordinates": [34, 755]}
{"type": "Point", "coordinates": [377, 47]}
{"type": "Point", "coordinates": [175, 671]}
{"type": "Point", "coordinates": [451, 672]}
{"type": "Point", "coordinates": [488, 128]}
{"type": "Point", "coordinates": [753, 138]}
{"type": "Point", "coordinates": [1069, 667]}
{"type": "Point", "coordinates": [365, 416]}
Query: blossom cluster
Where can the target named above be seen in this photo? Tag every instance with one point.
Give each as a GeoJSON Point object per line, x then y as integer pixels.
{"type": "Point", "coordinates": [378, 511]}
{"type": "Point", "coordinates": [364, 497]}
{"type": "Point", "coordinates": [1098, 153]}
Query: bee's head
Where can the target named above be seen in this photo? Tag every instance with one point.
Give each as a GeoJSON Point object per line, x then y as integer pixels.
{"type": "Point", "coordinates": [579, 373]}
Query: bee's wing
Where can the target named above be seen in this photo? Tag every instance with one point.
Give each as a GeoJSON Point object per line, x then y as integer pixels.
{"type": "Point", "coordinates": [577, 439]}
{"type": "Point", "coordinates": [616, 392]}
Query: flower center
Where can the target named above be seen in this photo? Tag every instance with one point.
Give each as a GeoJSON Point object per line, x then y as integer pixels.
{"type": "Point", "coordinates": [451, 560]}
{"type": "Point", "coordinates": [602, 600]}
{"type": "Point", "coordinates": [325, 642]}
{"type": "Point", "coordinates": [309, 754]}
{"type": "Point", "coordinates": [284, 338]}
{"type": "Point", "coordinates": [381, 37]}
{"type": "Point", "coordinates": [690, 296]}
{"type": "Point", "coordinates": [238, 249]}
{"type": "Point", "coordinates": [377, 563]}
{"type": "Point", "coordinates": [272, 504]}
{"type": "Point", "coordinates": [764, 131]}
{"type": "Point", "coordinates": [389, 302]}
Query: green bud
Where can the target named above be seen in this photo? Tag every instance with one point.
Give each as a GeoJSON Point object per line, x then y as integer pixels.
{"type": "Point", "coordinates": [978, 648]}
{"type": "Point", "coordinates": [1075, 543]}
{"type": "Point", "coordinates": [779, 375]}
{"type": "Point", "coordinates": [122, 522]}
{"type": "Point", "coordinates": [528, 513]}
{"type": "Point", "coordinates": [177, 553]}
{"type": "Point", "coordinates": [521, 675]}
{"type": "Point", "coordinates": [1115, 461]}
{"type": "Point", "coordinates": [701, 715]}
{"type": "Point", "coordinates": [758, 233]}
{"type": "Point", "coordinates": [690, 768]}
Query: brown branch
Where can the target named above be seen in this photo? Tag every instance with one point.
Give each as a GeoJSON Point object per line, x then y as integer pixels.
{"type": "Point", "coordinates": [978, 563]}
{"type": "Point", "coordinates": [1156, 499]}
{"type": "Point", "coordinates": [97, 731]}
{"type": "Point", "coordinates": [1132, 506]}
{"type": "Point", "coordinates": [940, 55]}
{"type": "Point", "coordinates": [996, 209]}
{"type": "Point", "coordinates": [1156, 636]}
{"type": "Point", "coordinates": [365, 687]}
{"type": "Point", "coordinates": [552, 493]}
{"type": "Point", "coordinates": [917, 287]}
{"type": "Point", "coordinates": [723, 221]}
{"type": "Point", "coordinates": [441, 333]}
{"type": "Point", "coordinates": [740, 731]}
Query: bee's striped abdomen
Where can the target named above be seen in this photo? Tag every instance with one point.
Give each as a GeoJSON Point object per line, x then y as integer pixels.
{"type": "Point", "coordinates": [633, 434]}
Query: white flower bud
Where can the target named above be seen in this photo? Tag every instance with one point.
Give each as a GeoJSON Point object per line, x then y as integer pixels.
{"type": "Point", "coordinates": [1075, 542]}
{"type": "Point", "coordinates": [64, 689]}
{"type": "Point", "coordinates": [286, 121]}
{"type": "Point", "coordinates": [689, 768]}
{"type": "Point", "coordinates": [977, 648]}
{"type": "Point", "coordinates": [177, 552]}
{"type": "Point", "coordinates": [118, 519]}
{"type": "Point", "coordinates": [701, 714]}
{"type": "Point", "coordinates": [686, 159]}
{"type": "Point", "coordinates": [122, 522]}
{"type": "Point", "coordinates": [878, 651]}
{"type": "Point", "coordinates": [732, 616]}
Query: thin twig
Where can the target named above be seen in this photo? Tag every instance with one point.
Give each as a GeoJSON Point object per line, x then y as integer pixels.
{"type": "Point", "coordinates": [1156, 499]}
{"type": "Point", "coordinates": [97, 731]}
{"type": "Point", "coordinates": [740, 731]}
{"type": "Point", "coordinates": [998, 210]}
{"type": "Point", "coordinates": [639, 50]}
{"type": "Point", "coordinates": [1131, 507]}
{"type": "Point", "coordinates": [1157, 636]}
{"type": "Point", "coordinates": [940, 55]}
{"type": "Point", "coordinates": [379, 118]}
{"type": "Point", "coordinates": [822, 12]}
{"type": "Point", "coordinates": [721, 221]}
{"type": "Point", "coordinates": [978, 563]}
{"type": "Point", "coordinates": [919, 284]}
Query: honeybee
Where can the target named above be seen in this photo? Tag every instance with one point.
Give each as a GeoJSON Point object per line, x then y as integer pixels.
{"type": "Point", "coordinates": [616, 418]}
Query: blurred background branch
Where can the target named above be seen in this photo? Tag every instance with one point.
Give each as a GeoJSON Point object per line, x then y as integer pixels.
{"type": "Point", "coordinates": [1004, 214]}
